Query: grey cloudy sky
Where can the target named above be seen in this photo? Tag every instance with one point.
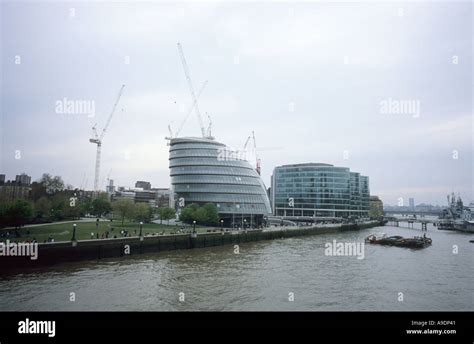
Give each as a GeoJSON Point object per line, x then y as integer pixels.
{"type": "Point", "coordinates": [331, 63]}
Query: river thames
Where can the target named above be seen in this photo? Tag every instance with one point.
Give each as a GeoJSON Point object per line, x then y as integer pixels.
{"type": "Point", "coordinates": [264, 276]}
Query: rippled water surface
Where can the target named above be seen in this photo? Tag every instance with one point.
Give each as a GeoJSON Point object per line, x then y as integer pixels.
{"type": "Point", "coordinates": [261, 278]}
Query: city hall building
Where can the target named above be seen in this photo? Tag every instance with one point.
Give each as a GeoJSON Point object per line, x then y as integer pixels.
{"type": "Point", "coordinates": [319, 191]}
{"type": "Point", "coordinates": [203, 170]}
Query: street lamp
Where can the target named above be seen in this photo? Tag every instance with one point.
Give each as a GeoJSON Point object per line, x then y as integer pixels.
{"type": "Point", "coordinates": [245, 223]}
{"type": "Point", "coordinates": [73, 239]}
{"type": "Point", "coordinates": [141, 235]}
{"type": "Point", "coordinates": [194, 227]}
{"type": "Point", "coordinates": [222, 225]}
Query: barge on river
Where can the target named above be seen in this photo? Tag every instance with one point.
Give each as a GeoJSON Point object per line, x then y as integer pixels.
{"type": "Point", "coordinates": [383, 239]}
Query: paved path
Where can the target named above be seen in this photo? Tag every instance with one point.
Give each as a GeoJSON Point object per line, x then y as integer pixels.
{"type": "Point", "coordinates": [83, 219]}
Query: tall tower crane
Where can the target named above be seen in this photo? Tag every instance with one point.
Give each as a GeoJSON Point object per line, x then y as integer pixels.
{"type": "Point", "coordinates": [257, 159]}
{"type": "Point", "coordinates": [190, 109]}
{"type": "Point", "coordinates": [209, 127]}
{"type": "Point", "coordinates": [191, 89]}
{"type": "Point", "coordinates": [97, 139]}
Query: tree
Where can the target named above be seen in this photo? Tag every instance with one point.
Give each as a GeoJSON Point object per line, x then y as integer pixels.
{"type": "Point", "coordinates": [212, 215]}
{"type": "Point", "coordinates": [51, 184]}
{"type": "Point", "coordinates": [142, 212]}
{"type": "Point", "coordinates": [200, 216]}
{"type": "Point", "coordinates": [86, 206]}
{"type": "Point", "coordinates": [37, 191]}
{"type": "Point", "coordinates": [19, 213]}
{"type": "Point", "coordinates": [101, 206]}
{"type": "Point", "coordinates": [123, 208]}
{"type": "Point", "coordinates": [43, 208]}
{"type": "Point", "coordinates": [59, 202]}
{"type": "Point", "coordinates": [74, 208]}
{"type": "Point", "coordinates": [187, 214]}
{"type": "Point", "coordinates": [166, 214]}
{"type": "Point", "coordinates": [375, 212]}
{"type": "Point", "coordinates": [4, 220]}
{"type": "Point", "coordinates": [205, 215]}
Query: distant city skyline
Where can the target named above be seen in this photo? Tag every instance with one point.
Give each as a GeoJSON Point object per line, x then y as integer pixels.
{"type": "Point", "coordinates": [383, 89]}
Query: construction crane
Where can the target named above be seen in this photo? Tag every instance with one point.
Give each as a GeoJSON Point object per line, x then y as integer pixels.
{"type": "Point", "coordinates": [257, 159]}
{"type": "Point", "coordinates": [97, 139]}
{"type": "Point", "coordinates": [107, 179]}
{"type": "Point", "coordinates": [190, 110]}
{"type": "Point", "coordinates": [247, 142]}
{"type": "Point", "coordinates": [209, 127]}
{"type": "Point", "coordinates": [81, 187]}
{"type": "Point", "coordinates": [191, 89]}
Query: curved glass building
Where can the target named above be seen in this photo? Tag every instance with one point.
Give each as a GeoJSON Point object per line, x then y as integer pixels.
{"type": "Point", "coordinates": [203, 171]}
{"type": "Point", "coordinates": [319, 190]}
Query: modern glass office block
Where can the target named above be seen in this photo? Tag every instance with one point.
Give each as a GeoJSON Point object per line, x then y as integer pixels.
{"type": "Point", "coordinates": [316, 190]}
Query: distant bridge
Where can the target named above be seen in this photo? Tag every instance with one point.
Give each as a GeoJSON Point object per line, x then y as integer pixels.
{"type": "Point", "coordinates": [414, 212]}
{"type": "Point", "coordinates": [410, 221]}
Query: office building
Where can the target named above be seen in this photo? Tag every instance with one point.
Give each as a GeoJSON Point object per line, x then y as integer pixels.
{"type": "Point", "coordinates": [319, 190]}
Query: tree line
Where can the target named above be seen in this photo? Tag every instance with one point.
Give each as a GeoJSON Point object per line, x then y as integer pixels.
{"type": "Point", "coordinates": [51, 200]}
{"type": "Point", "coordinates": [206, 214]}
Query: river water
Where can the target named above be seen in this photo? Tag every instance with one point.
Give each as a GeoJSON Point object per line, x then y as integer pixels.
{"type": "Point", "coordinates": [265, 275]}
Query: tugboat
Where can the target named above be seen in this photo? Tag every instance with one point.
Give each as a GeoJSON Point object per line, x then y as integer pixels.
{"type": "Point", "coordinates": [396, 240]}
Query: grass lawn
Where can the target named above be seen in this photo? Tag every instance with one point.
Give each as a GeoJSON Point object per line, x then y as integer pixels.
{"type": "Point", "coordinates": [63, 231]}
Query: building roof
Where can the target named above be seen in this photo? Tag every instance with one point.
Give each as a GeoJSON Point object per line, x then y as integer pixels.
{"type": "Point", "coordinates": [195, 139]}
{"type": "Point", "coordinates": [307, 164]}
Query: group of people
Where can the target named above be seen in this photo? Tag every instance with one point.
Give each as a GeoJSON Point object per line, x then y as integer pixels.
{"type": "Point", "coordinates": [7, 234]}
{"type": "Point", "coordinates": [104, 235]}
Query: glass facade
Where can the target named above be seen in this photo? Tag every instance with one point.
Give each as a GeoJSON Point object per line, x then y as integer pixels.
{"type": "Point", "coordinates": [203, 171]}
{"type": "Point", "coordinates": [319, 190]}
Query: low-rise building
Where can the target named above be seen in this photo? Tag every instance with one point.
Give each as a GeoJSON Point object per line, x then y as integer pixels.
{"type": "Point", "coordinates": [23, 179]}
{"type": "Point", "coordinates": [156, 197]}
{"type": "Point", "coordinates": [12, 190]}
{"type": "Point", "coordinates": [143, 185]}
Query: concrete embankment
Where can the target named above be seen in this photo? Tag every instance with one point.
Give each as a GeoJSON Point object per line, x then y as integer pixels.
{"type": "Point", "coordinates": [58, 252]}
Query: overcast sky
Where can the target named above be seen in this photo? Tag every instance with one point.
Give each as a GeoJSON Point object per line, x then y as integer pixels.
{"type": "Point", "coordinates": [310, 80]}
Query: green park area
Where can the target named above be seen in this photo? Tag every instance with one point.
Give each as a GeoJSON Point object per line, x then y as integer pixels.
{"type": "Point", "coordinates": [51, 209]}
{"type": "Point", "coordinates": [63, 231]}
